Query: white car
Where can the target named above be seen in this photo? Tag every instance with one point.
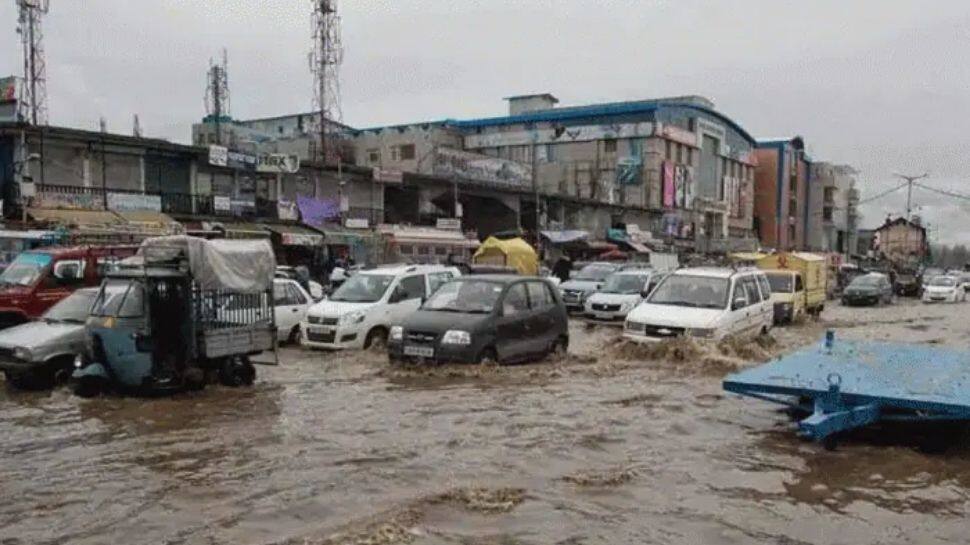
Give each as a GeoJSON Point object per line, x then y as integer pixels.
{"type": "Point", "coordinates": [362, 310]}
{"type": "Point", "coordinates": [290, 301]}
{"type": "Point", "coordinates": [621, 292]}
{"type": "Point", "coordinates": [709, 303]}
{"type": "Point", "coordinates": [944, 289]}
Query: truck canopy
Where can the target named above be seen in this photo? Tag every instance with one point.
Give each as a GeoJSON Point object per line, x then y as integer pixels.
{"type": "Point", "coordinates": [233, 265]}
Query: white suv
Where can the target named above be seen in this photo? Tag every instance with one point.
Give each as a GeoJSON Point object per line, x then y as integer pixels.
{"type": "Point", "coordinates": [361, 311]}
{"type": "Point", "coordinates": [708, 302]}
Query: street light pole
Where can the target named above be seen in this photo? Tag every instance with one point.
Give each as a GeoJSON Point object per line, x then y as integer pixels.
{"type": "Point", "coordinates": [909, 190]}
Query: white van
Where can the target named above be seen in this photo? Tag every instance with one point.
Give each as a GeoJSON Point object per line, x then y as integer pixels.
{"type": "Point", "coordinates": [709, 303]}
{"type": "Point", "coordinates": [361, 311]}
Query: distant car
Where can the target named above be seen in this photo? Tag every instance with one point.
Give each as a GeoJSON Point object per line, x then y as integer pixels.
{"type": "Point", "coordinates": [584, 283]}
{"type": "Point", "coordinates": [35, 354]}
{"type": "Point", "coordinates": [704, 302]}
{"type": "Point", "coordinates": [868, 289]}
{"type": "Point", "coordinates": [621, 292]}
{"type": "Point", "coordinates": [944, 289]}
{"type": "Point", "coordinates": [475, 319]}
{"type": "Point", "coordinates": [315, 288]}
{"type": "Point", "coordinates": [292, 303]}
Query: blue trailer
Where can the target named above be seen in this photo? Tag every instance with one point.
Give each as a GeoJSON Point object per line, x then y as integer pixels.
{"type": "Point", "coordinates": [850, 384]}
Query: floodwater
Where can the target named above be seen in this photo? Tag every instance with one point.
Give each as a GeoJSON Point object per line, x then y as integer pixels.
{"type": "Point", "coordinates": [611, 445]}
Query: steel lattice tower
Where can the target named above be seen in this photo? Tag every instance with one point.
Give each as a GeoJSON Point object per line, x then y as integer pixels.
{"type": "Point", "coordinates": [325, 59]}
{"type": "Point", "coordinates": [217, 93]}
{"type": "Point", "coordinates": [34, 92]}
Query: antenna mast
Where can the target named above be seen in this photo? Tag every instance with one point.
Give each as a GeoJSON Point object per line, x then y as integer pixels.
{"type": "Point", "coordinates": [217, 93]}
{"type": "Point", "coordinates": [34, 95]}
{"type": "Point", "coordinates": [325, 59]}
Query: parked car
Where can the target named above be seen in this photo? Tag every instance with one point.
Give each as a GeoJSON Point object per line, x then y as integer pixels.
{"type": "Point", "coordinates": [621, 292]}
{"type": "Point", "coordinates": [475, 319]}
{"type": "Point", "coordinates": [704, 302]}
{"type": "Point", "coordinates": [362, 310]}
{"type": "Point", "coordinates": [315, 289]}
{"type": "Point", "coordinates": [292, 303]}
{"type": "Point", "coordinates": [36, 354]}
{"type": "Point", "coordinates": [944, 289]}
{"type": "Point", "coordinates": [584, 283]}
{"type": "Point", "coordinates": [868, 289]}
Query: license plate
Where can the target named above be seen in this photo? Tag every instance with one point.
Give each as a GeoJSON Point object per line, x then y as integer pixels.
{"type": "Point", "coordinates": [419, 351]}
{"type": "Point", "coordinates": [602, 316]}
{"type": "Point", "coordinates": [323, 330]}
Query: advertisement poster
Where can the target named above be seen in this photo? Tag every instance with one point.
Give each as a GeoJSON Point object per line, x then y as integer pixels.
{"type": "Point", "coordinates": [680, 186]}
{"type": "Point", "coordinates": [669, 190]}
{"type": "Point", "coordinates": [317, 211]}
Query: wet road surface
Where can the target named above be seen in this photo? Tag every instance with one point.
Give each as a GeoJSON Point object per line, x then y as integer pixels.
{"type": "Point", "coordinates": [614, 444]}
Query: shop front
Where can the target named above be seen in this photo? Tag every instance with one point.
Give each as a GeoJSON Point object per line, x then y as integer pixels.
{"type": "Point", "coordinates": [298, 245]}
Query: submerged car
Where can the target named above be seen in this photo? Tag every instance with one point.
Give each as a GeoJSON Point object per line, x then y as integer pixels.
{"type": "Point", "coordinates": [476, 319]}
{"type": "Point", "coordinates": [37, 354]}
{"type": "Point", "coordinates": [869, 289]}
{"type": "Point", "coordinates": [944, 289]}
{"type": "Point", "coordinates": [621, 292]}
{"type": "Point", "coordinates": [584, 283]}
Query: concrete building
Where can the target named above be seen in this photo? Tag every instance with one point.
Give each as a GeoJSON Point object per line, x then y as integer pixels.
{"type": "Point", "coordinates": [782, 185]}
{"type": "Point", "coordinates": [901, 241]}
{"type": "Point", "coordinates": [294, 134]}
{"type": "Point", "coordinates": [832, 208]}
{"type": "Point", "coordinates": [675, 167]}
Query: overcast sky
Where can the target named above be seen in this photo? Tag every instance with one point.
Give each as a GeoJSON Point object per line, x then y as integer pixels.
{"type": "Point", "coordinates": [881, 85]}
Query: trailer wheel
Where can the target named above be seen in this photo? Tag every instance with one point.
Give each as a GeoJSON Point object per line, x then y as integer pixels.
{"type": "Point", "coordinates": [88, 387]}
{"type": "Point", "coordinates": [237, 371]}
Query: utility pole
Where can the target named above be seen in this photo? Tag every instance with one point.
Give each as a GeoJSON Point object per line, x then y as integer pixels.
{"type": "Point", "coordinates": [217, 93]}
{"type": "Point", "coordinates": [909, 190]}
{"type": "Point", "coordinates": [34, 95]}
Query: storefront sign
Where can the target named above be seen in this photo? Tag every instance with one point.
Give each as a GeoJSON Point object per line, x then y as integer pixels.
{"type": "Point", "coordinates": [356, 223]}
{"type": "Point", "coordinates": [221, 203]}
{"type": "Point", "coordinates": [287, 210]}
{"type": "Point", "coordinates": [453, 224]}
{"type": "Point", "coordinates": [218, 156]}
{"type": "Point", "coordinates": [684, 182]}
{"type": "Point", "coordinates": [677, 134]}
{"type": "Point", "coordinates": [242, 206]}
{"type": "Point", "coordinates": [128, 202]}
{"type": "Point", "coordinates": [388, 175]}
{"type": "Point", "coordinates": [68, 201]}
{"type": "Point", "coordinates": [669, 189]}
{"type": "Point", "coordinates": [317, 211]}
{"type": "Point", "coordinates": [301, 239]}
{"type": "Point", "coordinates": [278, 163]}
{"type": "Point", "coordinates": [481, 168]}
{"type": "Point", "coordinates": [540, 137]}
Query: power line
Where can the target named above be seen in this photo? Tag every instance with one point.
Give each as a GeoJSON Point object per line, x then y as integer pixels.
{"type": "Point", "coordinates": [909, 193]}
{"type": "Point", "coordinates": [944, 192]}
{"type": "Point", "coordinates": [883, 194]}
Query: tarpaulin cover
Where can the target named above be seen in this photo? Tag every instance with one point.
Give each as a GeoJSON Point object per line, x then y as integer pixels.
{"type": "Point", "coordinates": [564, 237]}
{"type": "Point", "coordinates": [221, 264]}
{"type": "Point", "coordinates": [515, 253]}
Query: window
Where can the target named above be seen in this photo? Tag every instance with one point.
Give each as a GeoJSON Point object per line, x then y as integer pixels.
{"type": "Point", "coordinates": [765, 287]}
{"type": "Point", "coordinates": [413, 287]}
{"type": "Point", "coordinates": [754, 291]}
{"type": "Point", "coordinates": [424, 250]}
{"type": "Point", "coordinates": [609, 146]}
{"type": "Point", "coordinates": [69, 270]}
{"type": "Point", "coordinates": [690, 155]}
{"type": "Point", "coordinates": [539, 296]}
{"type": "Point", "coordinates": [440, 250]}
{"type": "Point", "coordinates": [134, 304]}
{"type": "Point", "coordinates": [515, 300]}
{"type": "Point", "coordinates": [407, 249]}
{"type": "Point", "coordinates": [798, 283]}
{"type": "Point", "coordinates": [435, 280]}
{"type": "Point", "coordinates": [680, 153]}
{"type": "Point", "coordinates": [279, 294]}
{"type": "Point", "coordinates": [740, 293]}
{"type": "Point", "coordinates": [407, 152]}
{"type": "Point", "coordinates": [374, 156]}
{"type": "Point", "coordinates": [296, 295]}
{"type": "Point", "coordinates": [670, 150]}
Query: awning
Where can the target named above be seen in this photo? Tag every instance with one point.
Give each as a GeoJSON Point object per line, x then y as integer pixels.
{"type": "Point", "coordinates": [344, 236]}
{"type": "Point", "coordinates": [418, 235]}
{"type": "Point", "coordinates": [296, 235]}
{"type": "Point", "coordinates": [150, 222]}
{"type": "Point", "coordinates": [81, 219]}
{"type": "Point", "coordinates": [565, 237]}
{"type": "Point", "coordinates": [620, 236]}
{"type": "Point", "coordinates": [241, 229]}
{"type": "Point", "coordinates": [457, 243]}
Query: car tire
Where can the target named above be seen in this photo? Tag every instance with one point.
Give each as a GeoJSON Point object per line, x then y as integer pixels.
{"type": "Point", "coordinates": [487, 356]}
{"type": "Point", "coordinates": [559, 349]}
{"type": "Point", "coordinates": [376, 337]}
{"type": "Point", "coordinates": [294, 337]}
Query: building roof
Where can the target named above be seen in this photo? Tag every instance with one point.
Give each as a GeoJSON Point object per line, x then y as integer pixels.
{"type": "Point", "coordinates": [548, 96]}
{"type": "Point", "coordinates": [797, 141]}
{"type": "Point", "coordinates": [899, 221]}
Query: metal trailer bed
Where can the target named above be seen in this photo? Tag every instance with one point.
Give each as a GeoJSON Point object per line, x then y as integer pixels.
{"type": "Point", "coordinates": [850, 384]}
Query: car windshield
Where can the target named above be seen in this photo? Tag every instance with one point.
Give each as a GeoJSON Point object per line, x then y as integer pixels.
{"type": "Point", "coordinates": [109, 299]}
{"type": "Point", "coordinates": [72, 309]}
{"type": "Point", "coordinates": [595, 273]}
{"type": "Point", "coordinates": [780, 283]}
{"type": "Point", "coordinates": [363, 288]}
{"type": "Point", "coordinates": [25, 270]}
{"type": "Point", "coordinates": [469, 296]}
{"type": "Point", "coordinates": [691, 291]}
{"type": "Point", "coordinates": [625, 283]}
{"type": "Point", "coordinates": [865, 282]}
{"type": "Point", "coordinates": [947, 281]}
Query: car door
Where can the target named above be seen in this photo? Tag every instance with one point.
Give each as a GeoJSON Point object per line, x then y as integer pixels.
{"type": "Point", "coordinates": [767, 306]}
{"type": "Point", "coordinates": [542, 331]}
{"type": "Point", "coordinates": [413, 290]}
{"type": "Point", "coordinates": [282, 308]}
{"type": "Point", "coordinates": [755, 316]}
{"type": "Point", "coordinates": [511, 329]}
{"type": "Point", "coordinates": [738, 317]}
{"type": "Point", "coordinates": [293, 308]}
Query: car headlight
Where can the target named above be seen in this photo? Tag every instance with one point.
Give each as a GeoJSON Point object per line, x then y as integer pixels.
{"type": "Point", "coordinates": [397, 333]}
{"type": "Point", "coordinates": [701, 332]}
{"type": "Point", "coordinates": [352, 317]}
{"type": "Point", "coordinates": [22, 354]}
{"type": "Point", "coordinates": [457, 336]}
{"type": "Point", "coordinates": [627, 306]}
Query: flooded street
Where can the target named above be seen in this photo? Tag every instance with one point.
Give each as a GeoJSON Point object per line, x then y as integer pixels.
{"type": "Point", "coordinates": [607, 446]}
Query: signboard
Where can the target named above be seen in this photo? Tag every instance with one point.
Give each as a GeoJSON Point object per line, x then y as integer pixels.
{"type": "Point", "coordinates": [628, 171]}
{"type": "Point", "coordinates": [8, 90]}
{"type": "Point", "coordinates": [242, 206]}
{"type": "Point", "coordinates": [356, 223]}
{"type": "Point", "coordinates": [684, 183]}
{"type": "Point", "coordinates": [388, 175]}
{"type": "Point", "coordinates": [581, 133]}
{"type": "Point", "coordinates": [301, 239]}
{"type": "Point", "coordinates": [218, 156]}
{"type": "Point", "coordinates": [68, 201]}
{"type": "Point", "coordinates": [481, 168]}
{"type": "Point", "coordinates": [677, 134]}
{"type": "Point", "coordinates": [221, 204]}
{"type": "Point", "coordinates": [452, 224]}
{"type": "Point", "coordinates": [287, 210]}
{"type": "Point", "coordinates": [669, 189]}
{"type": "Point", "coordinates": [129, 202]}
{"type": "Point", "coordinates": [317, 211]}
{"type": "Point", "coordinates": [278, 163]}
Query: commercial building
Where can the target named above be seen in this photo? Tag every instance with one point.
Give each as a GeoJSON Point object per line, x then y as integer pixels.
{"type": "Point", "coordinates": [833, 215]}
{"type": "Point", "coordinates": [901, 241]}
{"type": "Point", "coordinates": [292, 134]}
{"type": "Point", "coordinates": [782, 185]}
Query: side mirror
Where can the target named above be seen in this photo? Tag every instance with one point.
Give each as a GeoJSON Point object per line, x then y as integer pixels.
{"type": "Point", "coordinates": [739, 303]}
{"type": "Point", "coordinates": [645, 293]}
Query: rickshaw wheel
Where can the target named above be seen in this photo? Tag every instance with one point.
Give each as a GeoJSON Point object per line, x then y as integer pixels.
{"type": "Point", "coordinates": [237, 372]}
{"type": "Point", "coordinates": [88, 387]}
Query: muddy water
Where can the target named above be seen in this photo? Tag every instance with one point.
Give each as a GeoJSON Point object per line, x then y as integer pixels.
{"type": "Point", "coordinates": [610, 445]}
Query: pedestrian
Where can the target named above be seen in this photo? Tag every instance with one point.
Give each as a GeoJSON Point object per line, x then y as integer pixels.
{"type": "Point", "coordinates": [562, 268]}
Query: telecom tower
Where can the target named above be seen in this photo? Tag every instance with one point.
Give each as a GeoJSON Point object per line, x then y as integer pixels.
{"type": "Point", "coordinates": [217, 93]}
{"type": "Point", "coordinates": [34, 91]}
{"type": "Point", "coordinates": [325, 59]}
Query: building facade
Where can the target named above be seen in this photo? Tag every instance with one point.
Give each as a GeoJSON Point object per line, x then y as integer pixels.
{"type": "Point", "coordinates": [783, 186]}
{"type": "Point", "coordinates": [901, 241]}
{"type": "Point", "coordinates": [832, 208]}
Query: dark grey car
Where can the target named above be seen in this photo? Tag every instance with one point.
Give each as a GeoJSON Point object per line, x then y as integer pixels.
{"type": "Point", "coordinates": [474, 319]}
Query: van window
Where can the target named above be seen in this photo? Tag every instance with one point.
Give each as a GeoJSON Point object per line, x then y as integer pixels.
{"type": "Point", "coordinates": [539, 296]}
{"type": "Point", "coordinates": [515, 300]}
{"type": "Point", "coordinates": [798, 283]}
{"type": "Point", "coordinates": [740, 293]}
{"type": "Point", "coordinates": [413, 287]}
{"type": "Point", "coordinates": [754, 292]}
{"type": "Point", "coordinates": [765, 287]}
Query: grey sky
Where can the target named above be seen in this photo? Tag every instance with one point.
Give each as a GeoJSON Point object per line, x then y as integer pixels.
{"type": "Point", "coordinates": [880, 85]}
